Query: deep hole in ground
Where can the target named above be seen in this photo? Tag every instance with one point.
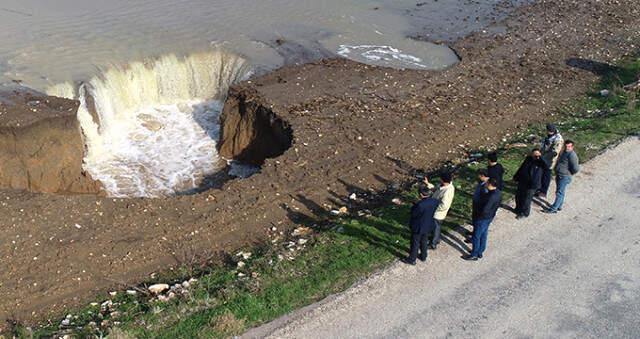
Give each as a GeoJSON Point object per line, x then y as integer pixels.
{"type": "Point", "coordinates": [42, 146]}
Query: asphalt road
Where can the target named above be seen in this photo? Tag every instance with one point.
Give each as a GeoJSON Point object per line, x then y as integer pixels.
{"type": "Point", "coordinates": [571, 275]}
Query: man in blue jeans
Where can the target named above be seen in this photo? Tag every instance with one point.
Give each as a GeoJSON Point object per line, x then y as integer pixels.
{"type": "Point", "coordinates": [488, 207]}
{"type": "Point", "coordinates": [567, 166]}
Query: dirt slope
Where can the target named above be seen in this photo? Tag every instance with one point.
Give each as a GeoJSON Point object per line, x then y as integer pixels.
{"type": "Point", "coordinates": [355, 128]}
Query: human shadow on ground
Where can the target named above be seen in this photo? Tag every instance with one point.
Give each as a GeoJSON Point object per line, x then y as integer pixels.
{"type": "Point", "coordinates": [595, 67]}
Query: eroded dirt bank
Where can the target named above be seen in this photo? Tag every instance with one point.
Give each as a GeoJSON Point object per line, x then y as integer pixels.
{"type": "Point", "coordinates": [41, 147]}
{"type": "Point", "coordinates": [356, 128]}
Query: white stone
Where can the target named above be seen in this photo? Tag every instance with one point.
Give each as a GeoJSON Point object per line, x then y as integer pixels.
{"type": "Point", "coordinates": [158, 288]}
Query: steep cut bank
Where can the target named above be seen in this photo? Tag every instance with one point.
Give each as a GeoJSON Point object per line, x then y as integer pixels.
{"type": "Point", "coordinates": [41, 148]}
{"type": "Point", "coordinates": [151, 126]}
{"type": "Point", "coordinates": [250, 131]}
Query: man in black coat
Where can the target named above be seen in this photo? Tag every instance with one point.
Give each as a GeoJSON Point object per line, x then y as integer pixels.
{"type": "Point", "coordinates": [529, 179]}
{"type": "Point", "coordinates": [487, 207]}
{"type": "Point", "coordinates": [422, 225]}
{"type": "Point", "coordinates": [495, 170]}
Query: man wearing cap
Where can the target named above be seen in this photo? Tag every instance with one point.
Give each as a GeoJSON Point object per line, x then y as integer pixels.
{"type": "Point", "coordinates": [551, 148]}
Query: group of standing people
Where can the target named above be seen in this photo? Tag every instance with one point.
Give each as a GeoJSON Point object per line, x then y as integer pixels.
{"type": "Point", "coordinates": [534, 176]}
{"type": "Point", "coordinates": [533, 179]}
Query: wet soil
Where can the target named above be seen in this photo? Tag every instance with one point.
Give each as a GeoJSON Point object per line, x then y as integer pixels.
{"type": "Point", "coordinates": [41, 146]}
{"type": "Point", "coordinates": [356, 128]}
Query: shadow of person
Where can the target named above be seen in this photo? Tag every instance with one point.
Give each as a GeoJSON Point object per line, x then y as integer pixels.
{"type": "Point", "coordinates": [506, 207]}
{"type": "Point", "coordinates": [595, 67]}
{"type": "Point", "coordinates": [455, 242]}
{"type": "Point", "coordinates": [541, 202]}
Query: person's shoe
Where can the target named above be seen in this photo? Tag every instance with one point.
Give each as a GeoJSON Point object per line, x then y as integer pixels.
{"type": "Point", "coordinates": [470, 257]}
{"type": "Point", "coordinates": [520, 216]}
{"type": "Point", "coordinates": [550, 211]}
{"type": "Point", "coordinates": [408, 261]}
{"type": "Point", "coordinates": [423, 259]}
{"type": "Point", "coordinates": [433, 247]}
{"type": "Point", "coordinates": [480, 256]}
{"type": "Point", "coordinates": [541, 195]}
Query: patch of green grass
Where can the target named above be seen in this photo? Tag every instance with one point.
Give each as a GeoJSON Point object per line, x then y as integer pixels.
{"type": "Point", "coordinates": [221, 304]}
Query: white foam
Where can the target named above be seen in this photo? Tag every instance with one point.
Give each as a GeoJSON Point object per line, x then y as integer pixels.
{"type": "Point", "coordinates": [381, 55]}
{"type": "Point", "coordinates": [157, 122]}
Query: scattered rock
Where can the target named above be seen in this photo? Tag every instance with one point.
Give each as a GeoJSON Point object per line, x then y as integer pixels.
{"type": "Point", "coordinates": [301, 231]}
{"type": "Point", "coordinates": [158, 288]}
{"type": "Point", "coordinates": [302, 241]}
{"type": "Point", "coordinates": [396, 201]}
{"type": "Point", "coordinates": [604, 92]}
{"type": "Point", "coordinates": [633, 86]}
{"type": "Point", "coordinates": [132, 292]}
{"type": "Point", "coordinates": [241, 264]}
{"type": "Point", "coordinates": [244, 255]}
{"type": "Point", "coordinates": [353, 196]}
{"type": "Point", "coordinates": [518, 145]}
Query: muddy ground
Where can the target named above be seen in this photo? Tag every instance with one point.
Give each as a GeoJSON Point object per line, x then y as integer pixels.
{"type": "Point", "coordinates": [356, 128]}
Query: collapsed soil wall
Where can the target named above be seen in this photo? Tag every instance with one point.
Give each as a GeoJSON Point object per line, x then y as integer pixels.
{"type": "Point", "coordinates": [41, 147]}
{"type": "Point", "coordinates": [250, 131]}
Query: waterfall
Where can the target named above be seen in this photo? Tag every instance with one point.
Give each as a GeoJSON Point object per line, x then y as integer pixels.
{"type": "Point", "coordinates": [151, 127]}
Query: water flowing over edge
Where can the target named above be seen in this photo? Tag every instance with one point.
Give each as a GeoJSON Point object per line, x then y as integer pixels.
{"type": "Point", "coordinates": [151, 127]}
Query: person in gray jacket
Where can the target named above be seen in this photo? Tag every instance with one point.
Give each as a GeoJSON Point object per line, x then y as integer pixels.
{"type": "Point", "coordinates": [566, 166]}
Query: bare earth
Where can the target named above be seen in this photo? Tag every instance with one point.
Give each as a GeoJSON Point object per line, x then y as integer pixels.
{"type": "Point", "coordinates": [571, 275]}
{"type": "Point", "coordinates": [356, 128]}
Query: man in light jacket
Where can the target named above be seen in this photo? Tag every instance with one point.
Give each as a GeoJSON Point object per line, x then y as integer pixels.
{"type": "Point", "coordinates": [551, 148]}
{"type": "Point", "coordinates": [568, 165]}
{"type": "Point", "coordinates": [444, 194]}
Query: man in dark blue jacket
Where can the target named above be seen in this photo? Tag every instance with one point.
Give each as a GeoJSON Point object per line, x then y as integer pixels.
{"type": "Point", "coordinates": [487, 209]}
{"type": "Point", "coordinates": [529, 179]}
{"type": "Point", "coordinates": [481, 189]}
{"type": "Point", "coordinates": [422, 225]}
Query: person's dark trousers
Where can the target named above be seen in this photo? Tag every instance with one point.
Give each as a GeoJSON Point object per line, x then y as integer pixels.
{"type": "Point", "coordinates": [479, 239]}
{"type": "Point", "coordinates": [546, 181]}
{"type": "Point", "coordinates": [419, 242]}
{"type": "Point", "coordinates": [435, 237]}
{"type": "Point", "coordinates": [524, 198]}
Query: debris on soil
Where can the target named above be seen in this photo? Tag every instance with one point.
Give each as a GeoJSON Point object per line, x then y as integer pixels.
{"type": "Point", "coordinates": [158, 288]}
{"type": "Point", "coordinates": [504, 82]}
